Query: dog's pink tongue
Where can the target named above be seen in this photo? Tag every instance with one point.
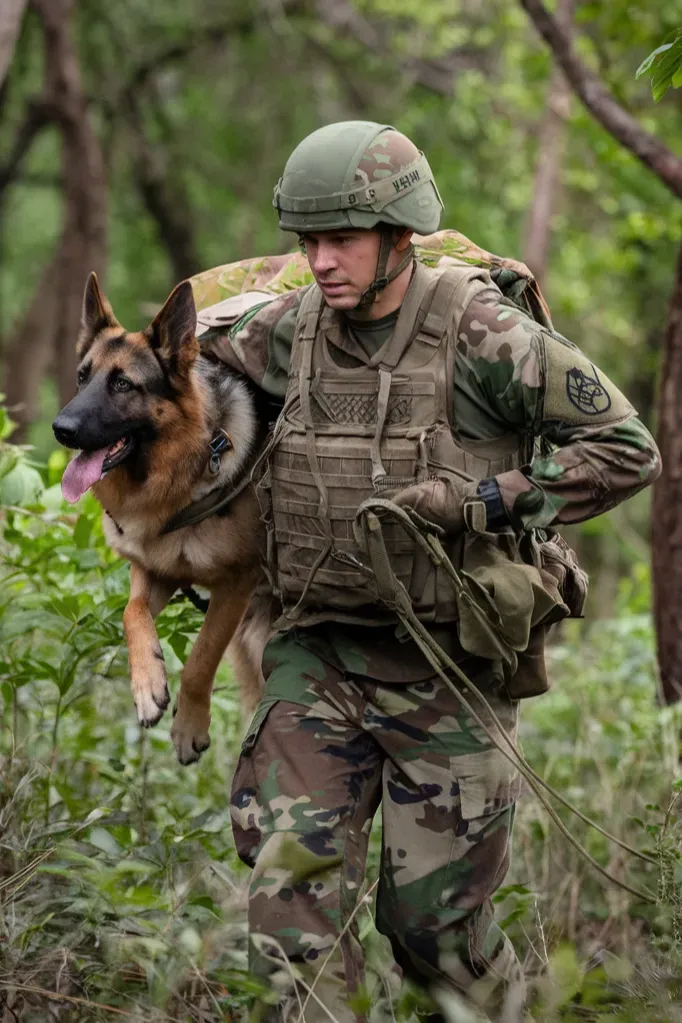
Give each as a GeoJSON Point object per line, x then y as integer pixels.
{"type": "Point", "coordinates": [81, 473]}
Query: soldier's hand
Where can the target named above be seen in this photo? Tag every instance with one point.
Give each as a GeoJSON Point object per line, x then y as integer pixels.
{"type": "Point", "coordinates": [441, 501]}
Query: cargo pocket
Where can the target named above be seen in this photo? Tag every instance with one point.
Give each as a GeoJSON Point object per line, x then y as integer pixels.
{"type": "Point", "coordinates": [257, 722]}
{"type": "Point", "coordinates": [246, 808]}
{"type": "Point", "coordinates": [488, 787]}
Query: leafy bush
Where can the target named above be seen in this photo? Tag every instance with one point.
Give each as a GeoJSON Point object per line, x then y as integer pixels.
{"type": "Point", "coordinates": [120, 890]}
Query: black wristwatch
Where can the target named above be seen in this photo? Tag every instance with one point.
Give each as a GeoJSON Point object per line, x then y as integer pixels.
{"type": "Point", "coordinates": [496, 513]}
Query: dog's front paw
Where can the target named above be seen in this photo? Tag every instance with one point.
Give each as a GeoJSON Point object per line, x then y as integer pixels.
{"type": "Point", "coordinates": [150, 689]}
{"type": "Point", "coordinates": [189, 731]}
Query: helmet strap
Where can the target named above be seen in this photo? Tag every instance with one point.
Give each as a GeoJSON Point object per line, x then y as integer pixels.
{"type": "Point", "coordinates": [382, 279]}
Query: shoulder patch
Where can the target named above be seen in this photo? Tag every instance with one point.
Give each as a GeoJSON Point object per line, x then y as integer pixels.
{"type": "Point", "coordinates": [587, 392]}
{"type": "Point", "coordinates": [576, 391]}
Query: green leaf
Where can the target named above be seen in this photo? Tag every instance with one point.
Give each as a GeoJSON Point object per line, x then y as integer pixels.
{"type": "Point", "coordinates": [21, 486]}
{"type": "Point", "coordinates": [9, 457]}
{"type": "Point", "coordinates": [178, 643]}
{"type": "Point", "coordinates": [82, 531]}
{"type": "Point", "coordinates": [6, 424]}
{"type": "Point", "coordinates": [56, 464]}
{"type": "Point", "coordinates": [649, 61]}
{"type": "Point", "coordinates": [565, 973]}
{"type": "Point", "coordinates": [104, 840]}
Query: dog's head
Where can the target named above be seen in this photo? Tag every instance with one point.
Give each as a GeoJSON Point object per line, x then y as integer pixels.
{"type": "Point", "coordinates": [128, 386]}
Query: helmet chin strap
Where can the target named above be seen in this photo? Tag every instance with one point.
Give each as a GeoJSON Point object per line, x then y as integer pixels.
{"type": "Point", "coordinates": [381, 279]}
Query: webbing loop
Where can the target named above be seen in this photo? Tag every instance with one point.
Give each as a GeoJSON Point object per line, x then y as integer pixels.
{"type": "Point", "coordinates": [368, 531]}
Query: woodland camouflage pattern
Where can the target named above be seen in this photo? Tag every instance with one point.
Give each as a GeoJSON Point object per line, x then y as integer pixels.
{"type": "Point", "coordinates": [357, 174]}
{"type": "Point", "coordinates": [510, 372]}
{"type": "Point", "coordinates": [352, 714]}
{"type": "Point", "coordinates": [304, 823]}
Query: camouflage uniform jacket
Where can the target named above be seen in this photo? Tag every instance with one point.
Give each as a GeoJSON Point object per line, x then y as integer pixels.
{"type": "Point", "coordinates": [510, 373]}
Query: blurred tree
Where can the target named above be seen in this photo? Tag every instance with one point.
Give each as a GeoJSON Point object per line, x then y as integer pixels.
{"type": "Point", "coordinates": [667, 506]}
{"type": "Point", "coordinates": [11, 13]}
{"type": "Point", "coordinates": [51, 323]}
{"type": "Point", "coordinates": [550, 161]}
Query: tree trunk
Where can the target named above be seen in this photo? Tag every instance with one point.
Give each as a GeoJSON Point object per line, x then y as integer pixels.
{"type": "Point", "coordinates": [83, 243]}
{"type": "Point", "coordinates": [28, 357]}
{"type": "Point", "coordinates": [547, 182]}
{"type": "Point", "coordinates": [50, 329]}
{"type": "Point", "coordinates": [667, 502]}
{"type": "Point", "coordinates": [11, 14]}
{"type": "Point", "coordinates": [667, 506]}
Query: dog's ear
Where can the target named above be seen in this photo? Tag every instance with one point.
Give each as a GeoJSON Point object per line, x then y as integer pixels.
{"type": "Point", "coordinates": [172, 332]}
{"type": "Point", "coordinates": [95, 315]}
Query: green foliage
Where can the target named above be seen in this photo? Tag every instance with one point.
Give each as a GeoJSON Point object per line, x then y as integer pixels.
{"type": "Point", "coordinates": [20, 482]}
{"type": "Point", "coordinates": [664, 66]}
{"type": "Point", "coordinates": [118, 875]}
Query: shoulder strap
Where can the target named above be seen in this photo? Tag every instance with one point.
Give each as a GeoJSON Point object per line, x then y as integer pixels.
{"type": "Point", "coordinates": [432, 304]}
{"type": "Point", "coordinates": [455, 289]}
{"type": "Point", "coordinates": [418, 293]}
{"type": "Point", "coordinates": [309, 312]}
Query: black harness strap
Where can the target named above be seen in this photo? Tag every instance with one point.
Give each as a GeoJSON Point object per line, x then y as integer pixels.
{"type": "Point", "coordinates": [216, 501]}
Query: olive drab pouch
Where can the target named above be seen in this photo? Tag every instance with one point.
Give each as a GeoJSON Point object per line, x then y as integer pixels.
{"type": "Point", "coordinates": [523, 587]}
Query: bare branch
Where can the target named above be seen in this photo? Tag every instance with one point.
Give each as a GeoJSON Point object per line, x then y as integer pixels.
{"type": "Point", "coordinates": [436, 74]}
{"type": "Point", "coordinates": [38, 115]}
{"type": "Point", "coordinates": [602, 104]}
{"type": "Point", "coordinates": [201, 35]}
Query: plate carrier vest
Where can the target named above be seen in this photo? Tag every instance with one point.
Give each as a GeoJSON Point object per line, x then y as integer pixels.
{"type": "Point", "coordinates": [346, 434]}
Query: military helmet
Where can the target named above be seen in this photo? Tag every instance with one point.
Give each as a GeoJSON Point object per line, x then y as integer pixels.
{"type": "Point", "coordinates": [357, 174]}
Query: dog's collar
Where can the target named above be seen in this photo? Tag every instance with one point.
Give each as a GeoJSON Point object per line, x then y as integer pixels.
{"type": "Point", "coordinates": [217, 500]}
{"type": "Point", "coordinates": [220, 442]}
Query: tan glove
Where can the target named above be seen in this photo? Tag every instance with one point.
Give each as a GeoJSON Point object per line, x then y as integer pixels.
{"type": "Point", "coordinates": [443, 501]}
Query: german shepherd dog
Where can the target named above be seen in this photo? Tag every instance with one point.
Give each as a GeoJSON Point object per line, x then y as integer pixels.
{"type": "Point", "coordinates": [148, 407]}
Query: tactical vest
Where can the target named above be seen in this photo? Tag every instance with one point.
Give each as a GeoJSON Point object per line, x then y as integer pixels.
{"type": "Point", "coordinates": [346, 434]}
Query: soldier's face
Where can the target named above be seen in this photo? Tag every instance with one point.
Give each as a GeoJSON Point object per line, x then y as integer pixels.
{"type": "Point", "coordinates": [343, 263]}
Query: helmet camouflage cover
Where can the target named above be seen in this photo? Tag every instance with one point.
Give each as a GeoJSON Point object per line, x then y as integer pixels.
{"type": "Point", "coordinates": [357, 174]}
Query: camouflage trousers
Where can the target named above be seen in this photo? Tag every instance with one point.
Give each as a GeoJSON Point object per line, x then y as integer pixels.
{"type": "Point", "coordinates": [311, 777]}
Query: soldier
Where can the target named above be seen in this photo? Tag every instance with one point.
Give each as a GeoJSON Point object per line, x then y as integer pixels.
{"type": "Point", "coordinates": [429, 386]}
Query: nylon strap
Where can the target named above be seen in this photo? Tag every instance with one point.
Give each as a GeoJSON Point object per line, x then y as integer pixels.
{"type": "Point", "coordinates": [369, 535]}
{"type": "Point", "coordinates": [381, 278]}
{"type": "Point", "coordinates": [311, 308]}
{"type": "Point", "coordinates": [378, 470]}
{"type": "Point", "coordinates": [375, 195]}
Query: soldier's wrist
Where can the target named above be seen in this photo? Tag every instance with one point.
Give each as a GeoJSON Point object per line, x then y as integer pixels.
{"type": "Point", "coordinates": [497, 516]}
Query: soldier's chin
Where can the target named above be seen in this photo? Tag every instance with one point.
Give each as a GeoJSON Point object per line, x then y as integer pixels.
{"type": "Point", "coordinates": [341, 299]}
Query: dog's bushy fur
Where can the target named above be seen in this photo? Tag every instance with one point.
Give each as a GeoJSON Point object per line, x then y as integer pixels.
{"type": "Point", "coordinates": [153, 402]}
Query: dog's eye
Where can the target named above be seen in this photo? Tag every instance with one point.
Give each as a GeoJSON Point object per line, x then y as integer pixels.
{"type": "Point", "coordinates": [81, 377]}
{"type": "Point", "coordinates": [122, 384]}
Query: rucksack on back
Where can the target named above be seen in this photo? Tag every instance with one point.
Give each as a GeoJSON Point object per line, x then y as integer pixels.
{"type": "Point", "coordinates": [226, 293]}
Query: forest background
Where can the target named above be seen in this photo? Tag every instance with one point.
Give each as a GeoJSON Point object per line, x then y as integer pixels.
{"type": "Point", "coordinates": [143, 141]}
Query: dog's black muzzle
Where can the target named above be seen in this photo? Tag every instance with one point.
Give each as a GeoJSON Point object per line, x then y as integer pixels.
{"type": "Point", "coordinates": [92, 421]}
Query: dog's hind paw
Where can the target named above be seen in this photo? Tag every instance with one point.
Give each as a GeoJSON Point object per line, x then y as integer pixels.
{"type": "Point", "coordinates": [189, 731]}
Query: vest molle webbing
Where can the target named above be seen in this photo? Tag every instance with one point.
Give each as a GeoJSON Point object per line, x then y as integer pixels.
{"type": "Point", "coordinates": [349, 433]}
